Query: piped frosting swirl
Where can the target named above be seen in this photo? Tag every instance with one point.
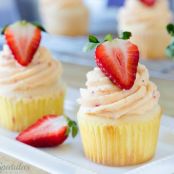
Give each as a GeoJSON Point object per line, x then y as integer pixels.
{"type": "Point", "coordinates": [103, 98]}
{"type": "Point", "coordinates": [41, 75]}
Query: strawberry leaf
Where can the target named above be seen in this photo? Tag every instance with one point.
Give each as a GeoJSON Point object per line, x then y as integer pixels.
{"type": "Point", "coordinates": [108, 37]}
{"type": "Point", "coordinates": [72, 126]}
{"type": "Point", "coordinates": [74, 131]}
{"type": "Point", "coordinates": [70, 123]}
{"type": "Point", "coordinates": [170, 47]}
{"type": "Point", "coordinates": [170, 50]}
{"type": "Point", "coordinates": [125, 35]}
{"type": "Point", "coordinates": [170, 29]}
{"type": "Point", "coordinates": [38, 25]}
{"type": "Point", "coordinates": [90, 46]}
{"type": "Point", "coordinates": [93, 39]}
{"type": "Point", "coordinates": [4, 28]}
{"type": "Point", "coordinates": [68, 131]}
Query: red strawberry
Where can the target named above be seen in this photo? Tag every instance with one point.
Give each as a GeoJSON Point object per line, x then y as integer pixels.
{"type": "Point", "coordinates": [118, 59]}
{"type": "Point", "coordinates": [47, 132]}
{"type": "Point", "coordinates": [148, 2]}
{"type": "Point", "coordinates": [23, 38]}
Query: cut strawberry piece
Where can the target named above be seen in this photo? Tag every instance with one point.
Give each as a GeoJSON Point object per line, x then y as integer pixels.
{"type": "Point", "coordinates": [118, 60]}
{"type": "Point", "coordinates": [46, 132]}
{"type": "Point", "coordinates": [148, 2]}
{"type": "Point", "coordinates": [23, 39]}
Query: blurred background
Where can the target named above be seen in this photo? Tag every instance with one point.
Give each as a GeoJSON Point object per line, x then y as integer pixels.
{"type": "Point", "coordinates": [101, 11]}
{"type": "Point", "coordinates": [13, 10]}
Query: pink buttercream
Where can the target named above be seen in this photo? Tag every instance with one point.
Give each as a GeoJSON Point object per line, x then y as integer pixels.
{"type": "Point", "coordinates": [103, 98]}
{"type": "Point", "coordinates": [42, 75]}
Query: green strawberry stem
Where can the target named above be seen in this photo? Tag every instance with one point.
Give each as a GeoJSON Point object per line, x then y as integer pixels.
{"type": "Point", "coordinates": [72, 126]}
{"type": "Point", "coordinates": [93, 41]}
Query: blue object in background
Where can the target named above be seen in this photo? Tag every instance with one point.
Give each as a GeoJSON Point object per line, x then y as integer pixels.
{"type": "Point", "coordinates": [8, 12]}
{"type": "Point", "coordinates": [119, 3]}
{"type": "Point", "coordinates": [28, 9]}
{"type": "Point", "coordinates": [115, 2]}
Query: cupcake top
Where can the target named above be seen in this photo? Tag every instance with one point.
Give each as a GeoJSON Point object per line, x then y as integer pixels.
{"type": "Point", "coordinates": [119, 85]}
{"type": "Point", "coordinates": [136, 14]}
{"type": "Point", "coordinates": [27, 69]}
{"type": "Point", "coordinates": [44, 71]}
{"type": "Point", "coordinates": [103, 98]}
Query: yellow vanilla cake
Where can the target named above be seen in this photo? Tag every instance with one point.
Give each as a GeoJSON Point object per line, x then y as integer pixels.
{"type": "Point", "coordinates": [119, 126]}
{"type": "Point", "coordinates": [28, 91]}
{"type": "Point", "coordinates": [147, 24]}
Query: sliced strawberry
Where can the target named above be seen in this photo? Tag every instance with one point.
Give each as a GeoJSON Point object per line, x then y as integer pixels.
{"type": "Point", "coordinates": [118, 60]}
{"type": "Point", "coordinates": [148, 2]}
{"type": "Point", "coordinates": [23, 38]}
{"type": "Point", "coordinates": [46, 132]}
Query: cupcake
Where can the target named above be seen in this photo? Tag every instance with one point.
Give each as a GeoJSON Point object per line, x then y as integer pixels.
{"type": "Point", "coordinates": [147, 21]}
{"type": "Point", "coordinates": [64, 17]}
{"type": "Point", "coordinates": [30, 78]}
{"type": "Point", "coordinates": [119, 115]}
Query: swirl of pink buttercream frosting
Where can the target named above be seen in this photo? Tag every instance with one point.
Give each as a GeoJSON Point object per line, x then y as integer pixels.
{"type": "Point", "coordinates": [103, 98]}
{"type": "Point", "coordinates": [42, 73]}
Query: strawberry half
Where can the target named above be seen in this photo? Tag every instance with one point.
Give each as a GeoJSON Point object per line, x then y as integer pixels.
{"type": "Point", "coordinates": [118, 59]}
{"type": "Point", "coordinates": [148, 2]}
{"type": "Point", "coordinates": [23, 39]}
{"type": "Point", "coordinates": [48, 131]}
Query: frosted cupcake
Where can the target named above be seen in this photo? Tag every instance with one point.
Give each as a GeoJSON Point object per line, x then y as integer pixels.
{"type": "Point", "coordinates": [64, 17]}
{"type": "Point", "coordinates": [30, 78]}
{"type": "Point", "coordinates": [119, 115]}
{"type": "Point", "coordinates": [147, 21]}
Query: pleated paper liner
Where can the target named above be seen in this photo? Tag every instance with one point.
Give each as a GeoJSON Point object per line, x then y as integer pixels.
{"type": "Point", "coordinates": [120, 144]}
{"type": "Point", "coordinates": [18, 114]}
